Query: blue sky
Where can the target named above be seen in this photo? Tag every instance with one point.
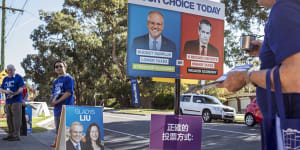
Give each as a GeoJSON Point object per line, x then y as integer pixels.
{"type": "Point", "coordinates": [18, 42]}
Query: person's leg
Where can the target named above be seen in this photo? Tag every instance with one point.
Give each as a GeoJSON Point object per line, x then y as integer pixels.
{"type": "Point", "coordinates": [9, 119]}
{"type": "Point", "coordinates": [16, 119]}
{"type": "Point", "coordinates": [24, 125]}
{"type": "Point", "coordinates": [57, 122]}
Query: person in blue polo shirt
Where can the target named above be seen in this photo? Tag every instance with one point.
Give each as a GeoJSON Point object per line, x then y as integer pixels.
{"type": "Point", "coordinates": [62, 92]}
{"type": "Point", "coordinates": [279, 53]}
{"type": "Point", "coordinates": [12, 86]}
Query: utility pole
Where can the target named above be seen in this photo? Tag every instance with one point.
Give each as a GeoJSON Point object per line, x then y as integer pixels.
{"type": "Point", "coordinates": [3, 31]}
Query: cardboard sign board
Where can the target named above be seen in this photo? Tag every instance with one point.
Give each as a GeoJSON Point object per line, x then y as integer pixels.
{"type": "Point", "coordinates": [175, 39]}
{"type": "Point", "coordinates": [28, 117]}
{"type": "Point", "coordinates": [2, 104]}
{"type": "Point", "coordinates": [173, 132]}
{"type": "Point", "coordinates": [80, 126]}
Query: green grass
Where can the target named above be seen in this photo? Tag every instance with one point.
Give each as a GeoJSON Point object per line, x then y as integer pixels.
{"type": "Point", "coordinates": [146, 111]}
{"type": "Point", "coordinates": [239, 118]}
{"type": "Point", "coordinates": [35, 128]}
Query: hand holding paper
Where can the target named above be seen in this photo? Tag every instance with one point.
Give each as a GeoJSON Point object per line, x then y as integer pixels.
{"type": "Point", "coordinates": [234, 80]}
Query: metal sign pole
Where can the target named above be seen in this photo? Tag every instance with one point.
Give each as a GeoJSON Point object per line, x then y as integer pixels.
{"type": "Point", "coordinates": [177, 97]}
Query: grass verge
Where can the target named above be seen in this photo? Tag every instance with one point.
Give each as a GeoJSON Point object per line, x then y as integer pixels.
{"type": "Point", "coordinates": [35, 128]}
{"type": "Point", "coordinates": [146, 111]}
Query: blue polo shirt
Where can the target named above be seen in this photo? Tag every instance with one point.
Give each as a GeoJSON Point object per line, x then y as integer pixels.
{"type": "Point", "coordinates": [60, 86]}
{"type": "Point", "coordinates": [13, 84]}
{"type": "Point", "coordinates": [282, 39]}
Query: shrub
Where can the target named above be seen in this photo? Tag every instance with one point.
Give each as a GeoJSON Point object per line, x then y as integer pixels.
{"type": "Point", "coordinates": [163, 101]}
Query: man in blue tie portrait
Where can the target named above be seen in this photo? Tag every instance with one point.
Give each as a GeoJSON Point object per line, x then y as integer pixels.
{"type": "Point", "coordinates": [154, 40]}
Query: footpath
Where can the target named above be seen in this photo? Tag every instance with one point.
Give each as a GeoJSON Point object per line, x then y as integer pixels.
{"type": "Point", "coordinates": [34, 141]}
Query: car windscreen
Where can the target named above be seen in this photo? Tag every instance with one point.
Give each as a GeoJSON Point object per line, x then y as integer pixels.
{"type": "Point", "coordinates": [185, 98]}
{"type": "Point", "coordinates": [212, 101]}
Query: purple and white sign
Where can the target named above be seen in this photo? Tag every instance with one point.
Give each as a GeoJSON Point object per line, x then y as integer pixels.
{"type": "Point", "coordinates": [173, 132]}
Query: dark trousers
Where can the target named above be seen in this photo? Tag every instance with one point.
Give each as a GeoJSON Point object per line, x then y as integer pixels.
{"type": "Point", "coordinates": [14, 119]}
{"type": "Point", "coordinates": [23, 130]}
{"type": "Point", "coordinates": [56, 122]}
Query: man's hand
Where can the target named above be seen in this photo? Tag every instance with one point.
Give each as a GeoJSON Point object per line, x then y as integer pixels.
{"type": "Point", "coordinates": [235, 81]}
{"type": "Point", "coordinates": [52, 104]}
{"type": "Point", "coordinates": [257, 45]}
{"type": "Point", "coordinates": [8, 92]}
{"type": "Point", "coordinates": [10, 96]}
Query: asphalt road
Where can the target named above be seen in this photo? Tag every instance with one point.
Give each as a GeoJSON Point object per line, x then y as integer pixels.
{"type": "Point", "coordinates": [131, 132]}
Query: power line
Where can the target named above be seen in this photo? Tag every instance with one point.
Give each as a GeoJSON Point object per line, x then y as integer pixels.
{"type": "Point", "coordinates": [16, 19]}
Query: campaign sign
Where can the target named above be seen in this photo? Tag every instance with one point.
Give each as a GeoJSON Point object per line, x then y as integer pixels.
{"type": "Point", "coordinates": [81, 127]}
{"type": "Point", "coordinates": [174, 132]}
{"type": "Point", "coordinates": [28, 117]}
{"type": "Point", "coordinates": [135, 91]}
{"type": "Point", "coordinates": [175, 39]}
{"type": "Point", "coordinates": [2, 104]}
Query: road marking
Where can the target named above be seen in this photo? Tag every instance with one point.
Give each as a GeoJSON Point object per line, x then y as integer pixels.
{"type": "Point", "coordinates": [125, 117]}
{"type": "Point", "coordinates": [140, 137]}
{"type": "Point", "coordinates": [231, 132]}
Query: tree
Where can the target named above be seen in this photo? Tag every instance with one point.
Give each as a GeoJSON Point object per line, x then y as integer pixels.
{"type": "Point", "coordinates": [243, 17]}
{"type": "Point", "coordinates": [91, 36]}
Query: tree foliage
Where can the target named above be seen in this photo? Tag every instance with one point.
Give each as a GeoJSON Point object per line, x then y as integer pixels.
{"type": "Point", "coordinates": [242, 17]}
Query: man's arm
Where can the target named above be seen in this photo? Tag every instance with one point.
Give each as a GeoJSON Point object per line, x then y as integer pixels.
{"type": "Point", "coordinates": [5, 91]}
{"type": "Point", "coordinates": [62, 98]}
{"type": "Point", "coordinates": [289, 77]}
{"type": "Point", "coordinates": [15, 93]}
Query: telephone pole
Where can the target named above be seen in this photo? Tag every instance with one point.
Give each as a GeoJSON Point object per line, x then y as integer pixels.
{"type": "Point", "coordinates": [3, 31]}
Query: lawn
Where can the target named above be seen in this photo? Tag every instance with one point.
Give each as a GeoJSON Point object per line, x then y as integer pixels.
{"type": "Point", "coordinates": [146, 111]}
{"type": "Point", "coordinates": [35, 128]}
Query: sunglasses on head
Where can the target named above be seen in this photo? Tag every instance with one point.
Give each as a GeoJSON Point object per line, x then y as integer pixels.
{"type": "Point", "coordinates": [58, 66]}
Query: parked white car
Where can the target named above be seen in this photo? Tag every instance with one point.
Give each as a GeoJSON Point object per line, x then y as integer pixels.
{"type": "Point", "coordinates": [207, 106]}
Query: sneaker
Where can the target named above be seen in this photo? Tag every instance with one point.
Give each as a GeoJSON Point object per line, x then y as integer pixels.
{"type": "Point", "coordinates": [14, 139]}
{"type": "Point", "coordinates": [53, 145]}
{"type": "Point", "coordinates": [6, 138]}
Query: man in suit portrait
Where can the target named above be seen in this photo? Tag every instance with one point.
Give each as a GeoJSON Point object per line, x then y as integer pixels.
{"type": "Point", "coordinates": [202, 46]}
{"type": "Point", "coordinates": [154, 40]}
{"type": "Point", "coordinates": [76, 134]}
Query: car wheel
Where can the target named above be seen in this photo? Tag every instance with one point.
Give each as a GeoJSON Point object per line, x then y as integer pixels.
{"type": "Point", "coordinates": [180, 112]}
{"type": "Point", "coordinates": [249, 120]}
{"type": "Point", "coordinates": [228, 121]}
{"type": "Point", "coordinates": [206, 116]}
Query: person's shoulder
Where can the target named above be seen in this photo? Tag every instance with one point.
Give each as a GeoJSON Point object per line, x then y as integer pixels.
{"type": "Point", "coordinates": [68, 77]}
{"type": "Point", "coordinates": [167, 40]}
{"type": "Point", "coordinates": [68, 142]}
{"type": "Point", "coordinates": [191, 43]}
{"type": "Point", "coordinates": [85, 146]}
{"type": "Point", "coordinates": [285, 12]}
{"type": "Point", "coordinates": [18, 75]}
{"type": "Point", "coordinates": [210, 46]}
{"type": "Point", "coordinates": [6, 78]}
{"type": "Point", "coordinates": [141, 38]}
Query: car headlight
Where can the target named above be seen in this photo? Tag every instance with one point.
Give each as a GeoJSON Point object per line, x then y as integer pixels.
{"type": "Point", "coordinates": [218, 108]}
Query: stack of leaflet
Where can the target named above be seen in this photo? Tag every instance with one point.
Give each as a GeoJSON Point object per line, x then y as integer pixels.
{"type": "Point", "coordinates": [224, 76]}
{"type": "Point", "coordinates": [220, 79]}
